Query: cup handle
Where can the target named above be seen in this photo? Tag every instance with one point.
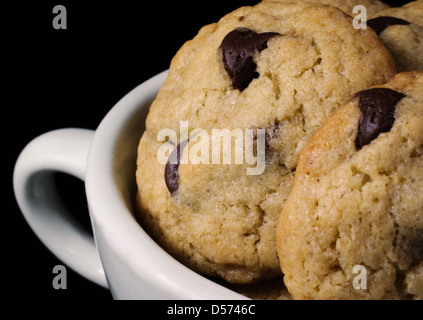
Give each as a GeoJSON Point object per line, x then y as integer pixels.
{"type": "Point", "coordinates": [63, 150]}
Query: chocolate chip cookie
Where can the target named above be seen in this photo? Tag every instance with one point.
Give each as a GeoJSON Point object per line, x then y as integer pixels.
{"type": "Point", "coordinates": [401, 30]}
{"type": "Point", "coordinates": [217, 160]}
{"type": "Point", "coordinates": [352, 227]}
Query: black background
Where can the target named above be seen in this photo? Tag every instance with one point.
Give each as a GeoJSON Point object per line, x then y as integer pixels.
{"type": "Point", "coordinates": [72, 78]}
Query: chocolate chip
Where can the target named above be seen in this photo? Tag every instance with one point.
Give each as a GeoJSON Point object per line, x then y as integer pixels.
{"type": "Point", "coordinates": [377, 107]}
{"type": "Point", "coordinates": [381, 23]}
{"type": "Point", "coordinates": [171, 170]}
{"type": "Point", "coordinates": [238, 48]}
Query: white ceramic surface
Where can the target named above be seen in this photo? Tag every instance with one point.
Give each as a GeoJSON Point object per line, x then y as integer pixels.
{"type": "Point", "coordinates": [133, 264]}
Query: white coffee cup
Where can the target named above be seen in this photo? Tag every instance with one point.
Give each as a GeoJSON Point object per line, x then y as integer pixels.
{"type": "Point", "coordinates": [123, 253]}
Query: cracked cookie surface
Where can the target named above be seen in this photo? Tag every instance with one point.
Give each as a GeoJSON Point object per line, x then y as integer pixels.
{"type": "Point", "coordinates": [361, 205]}
{"type": "Point", "coordinates": [217, 219]}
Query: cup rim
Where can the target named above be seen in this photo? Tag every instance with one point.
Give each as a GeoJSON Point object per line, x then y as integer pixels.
{"type": "Point", "coordinates": [111, 217]}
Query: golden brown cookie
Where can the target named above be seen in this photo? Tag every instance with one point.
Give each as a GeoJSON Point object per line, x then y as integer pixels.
{"type": "Point", "coordinates": [352, 227]}
{"type": "Point", "coordinates": [269, 75]}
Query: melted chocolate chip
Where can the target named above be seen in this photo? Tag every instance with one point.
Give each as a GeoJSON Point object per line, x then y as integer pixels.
{"type": "Point", "coordinates": [381, 23]}
{"type": "Point", "coordinates": [171, 170]}
{"type": "Point", "coordinates": [238, 48]}
{"type": "Point", "coordinates": [377, 107]}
